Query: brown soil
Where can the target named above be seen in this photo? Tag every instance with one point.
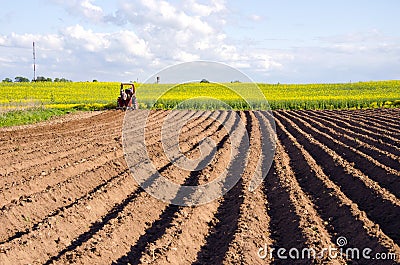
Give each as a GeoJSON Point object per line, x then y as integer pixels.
{"type": "Point", "coordinates": [67, 195]}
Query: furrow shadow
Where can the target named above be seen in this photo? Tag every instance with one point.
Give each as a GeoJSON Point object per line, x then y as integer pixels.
{"type": "Point", "coordinates": [378, 209]}
{"type": "Point", "coordinates": [338, 216]}
{"type": "Point", "coordinates": [159, 227]}
{"type": "Point", "coordinates": [227, 216]}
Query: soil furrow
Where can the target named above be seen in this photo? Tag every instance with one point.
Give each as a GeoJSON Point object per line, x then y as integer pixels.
{"type": "Point", "coordinates": [46, 156]}
{"type": "Point", "coordinates": [350, 133]}
{"type": "Point", "coordinates": [59, 141]}
{"type": "Point", "coordinates": [192, 124]}
{"type": "Point", "coordinates": [225, 222]}
{"type": "Point", "coordinates": [13, 216]}
{"type": "Point", "coordinates": [368, 128]}
{"type": "Point", "coordinates": [384, 175]}
{"type": "Point", "coordinates": [163, 227]}
{"type": "Point", "coordinates": [377, 153]}
{"type": "Point", "coordinates": [387, 139]}
{"type": "Point", "coordinates": [253, 229]}
{"type": "Point", "coordinates": [63, 229]}
{"type": "Point", "coordinates": [312, 225]}
{"type": "Point", "coordinates": [180, 116]}
{"type": "Point", "coordinates": [100, 201]}
{"type": "Point", "coordinates": [43, 177]}
{"type": "Point", "coordinates": [186, 142]}
{"type": "Point", "coordinates": [59, 211]}
{"type": "Point", "coordinates": [25, 162]}
{"type": "Point", "coordinates": [373, 154]}
{"type": "Point", "coordinates": [382, 122]}
{"type": "Point", "coordinates": [62, 161]}
{"type": "Point", "coordinates": [173, 244]}
{"type": "Point", "coordinates": [117, 233]}
{"type": "Point", "coordinates": [382, 126]}
{"type": "Point", "coordinates": [68, 195]}
{"type": "Point", "coordinates": [379, 205]}
{"type": "Point", "coordinates": [67, 129]}
{"type": "Point", "coordinates": [372, 120]}
{"type": "Point", "coordinates": [341, 216]}
{"type": "Point", "coordinates": [32, 151]}
{"type": "Point", "coordinates": [390, 117]}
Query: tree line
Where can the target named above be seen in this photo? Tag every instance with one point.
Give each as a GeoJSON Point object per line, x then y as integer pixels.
{"type": "Point", "coordinates": [20, 79]}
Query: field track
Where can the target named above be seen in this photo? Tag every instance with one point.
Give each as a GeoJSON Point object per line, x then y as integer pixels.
{"type": "Point", "coordinates": [67, 195]}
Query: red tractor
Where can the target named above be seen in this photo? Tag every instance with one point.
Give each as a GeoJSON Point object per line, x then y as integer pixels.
{"type": "Point", "coordinates": [127, 97]}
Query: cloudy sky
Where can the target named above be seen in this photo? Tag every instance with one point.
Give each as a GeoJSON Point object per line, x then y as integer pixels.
{"type": "Point", "coordinates": [287, 41]}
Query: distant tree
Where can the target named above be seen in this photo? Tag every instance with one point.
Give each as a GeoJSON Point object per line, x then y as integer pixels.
{"type": "Point", "coordinates": [204, 81]}
{"type": "Point", "coordinates": [7, 80]}
{"type": "Point", "coordinates": [43, 79]}
{"type": "Point", "coordinates": [94, 81]}
{"type": "Point", "coordinates": [21, 79]}
{"type": "Point", "coordinates": [61, 80]}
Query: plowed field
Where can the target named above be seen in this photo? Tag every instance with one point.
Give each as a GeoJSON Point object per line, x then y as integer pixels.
{"type": "Point", "coordinates": [68, 196]}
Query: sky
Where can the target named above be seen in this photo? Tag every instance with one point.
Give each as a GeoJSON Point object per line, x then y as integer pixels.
{"type": "Point", "coordinates": [285, 41]}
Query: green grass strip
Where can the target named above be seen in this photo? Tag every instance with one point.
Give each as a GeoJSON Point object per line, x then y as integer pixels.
{"type": "Point", "coordinates": [22, 117]}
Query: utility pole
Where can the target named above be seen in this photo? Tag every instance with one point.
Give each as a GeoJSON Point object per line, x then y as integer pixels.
{"type": "Point", "coordinates": [34, 63]}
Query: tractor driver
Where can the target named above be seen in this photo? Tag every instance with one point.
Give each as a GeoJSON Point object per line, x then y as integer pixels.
{"type": "Point", "coordinates": [124, 96]}
{"type": "Point", "coordinates": [131, 90]}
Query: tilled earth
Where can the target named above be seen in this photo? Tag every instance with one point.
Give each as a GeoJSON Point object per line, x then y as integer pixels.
{"type": "Point", "coordinates": [67, 195]}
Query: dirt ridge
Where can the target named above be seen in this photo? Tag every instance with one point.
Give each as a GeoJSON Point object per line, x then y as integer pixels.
{"type": "Point", "coordinates": [334, 173]}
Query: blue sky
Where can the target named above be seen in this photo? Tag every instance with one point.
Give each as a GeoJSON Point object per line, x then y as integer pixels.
{"type": "Point", "coordinates": [270, 41]}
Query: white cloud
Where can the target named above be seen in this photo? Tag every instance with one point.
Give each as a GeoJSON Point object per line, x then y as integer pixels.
{"type": "Point", "coordinates": [161, 14]}
{"type": "Point", "coordinates": [183, 56]}
{"type": "Point", "coordinates": [48, 42]}
{"type": "Point", "coordinates": [144, 36]}
{"type": "Point", "coordinates": [210, 7]}
{"type": "Point", "coordinates": [162, 33]}
{"type": "Point", "coordinates": [123, 47]}
{"type": "Point", "coordinates": [133, 44]}
{"type": "Point", "coordinates": [89, 7]}
{"type": "Point", "coordinates": [85, 8]}
{"type": "Point", "coordinates": [187, 30]}
{"type": "Point", "coordinates": [77, 36]}
{"type": "Point", "coordinates": [77, 52]}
